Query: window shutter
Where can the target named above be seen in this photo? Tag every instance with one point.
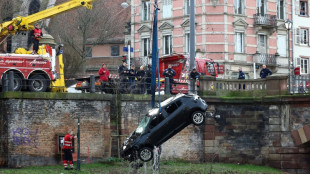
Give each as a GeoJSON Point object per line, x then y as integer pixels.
{"type": "Point", "coordinates": [297, 10]}
{"type": "Point", "coordinates": [297, 36]}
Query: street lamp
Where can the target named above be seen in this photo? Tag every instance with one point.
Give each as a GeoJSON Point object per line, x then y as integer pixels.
{"type": "Point", "coordinates": [126, 5]}
{"type": "Point", "coordinates": [288, 26]}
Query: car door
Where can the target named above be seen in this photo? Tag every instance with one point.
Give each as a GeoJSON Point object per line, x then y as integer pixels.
{"type": "Point", "coordinates": [157, 130]}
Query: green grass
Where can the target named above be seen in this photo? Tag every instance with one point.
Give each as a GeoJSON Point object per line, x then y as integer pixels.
{"type": "Point", "coordinates": [166, 167]}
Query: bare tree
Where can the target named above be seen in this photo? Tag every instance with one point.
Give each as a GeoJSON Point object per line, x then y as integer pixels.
{"type": "Point", "coordinates": [75, 29]}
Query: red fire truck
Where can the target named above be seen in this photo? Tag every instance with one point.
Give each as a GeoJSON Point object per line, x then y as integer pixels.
{"type": "Point", "coordinates": [180, 63]}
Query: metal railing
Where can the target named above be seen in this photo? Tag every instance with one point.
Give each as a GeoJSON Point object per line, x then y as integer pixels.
{"type": "Point", "coordinates": [300, 83]}
{"type": "Point", "coordinates": [265, 19]}
{"type": "Point", "coordinates": [267, 59]}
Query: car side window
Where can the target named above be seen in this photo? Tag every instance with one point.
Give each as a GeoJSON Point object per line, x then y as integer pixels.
{"type": "Point", "coordinates": [156, 120]}
{"type": "Point", "coordinates": [171, 108]}
{"type": "Point", "coordinates": [179, 103]}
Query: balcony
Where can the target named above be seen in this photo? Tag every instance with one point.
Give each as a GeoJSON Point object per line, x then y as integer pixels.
{"type": "Point", "coordinates": [267, 59]}
{"type": "Point", "coordinates": [268, 21]}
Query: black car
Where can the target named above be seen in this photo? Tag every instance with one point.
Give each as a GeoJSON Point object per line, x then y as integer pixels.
{"type": "Point", "coordinates": [162, 123]}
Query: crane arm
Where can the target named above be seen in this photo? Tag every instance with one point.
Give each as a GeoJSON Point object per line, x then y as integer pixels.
{"type": "Point", "coordinates": [26, 23]}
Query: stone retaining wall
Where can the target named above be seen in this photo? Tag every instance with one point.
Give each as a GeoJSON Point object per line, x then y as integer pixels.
{"type": "Point", "coordinates": [250, 130]}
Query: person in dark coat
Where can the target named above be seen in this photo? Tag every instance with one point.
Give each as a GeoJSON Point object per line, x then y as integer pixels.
{"type": "Point", "coordinates": [194, 75]}
{"type": "Point", "coordinates": [265, 72]}
{"type": "Point", "coordinates": [123, 75]}
{"type": "Point", "coordinates": [132, 77]}
{"type": "Point", "coordinates": [242, 77]}
{"type": "Point", "coordinates": [148, 79]}
{"type": "Point", "coordinates": [169, 72]}
{"type": "Point", "coordinates": [141, 79]}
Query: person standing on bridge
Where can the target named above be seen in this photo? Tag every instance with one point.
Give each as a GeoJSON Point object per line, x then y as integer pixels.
{"type": "Point", "coordinates": [241, 77]}
{"type": "Point", "coordinates": [36, 36]}
{"type": "Point", "coordinates": [169, 72]}
{"type": "Point", "coordinates": [123, 77]}
{"type": "Point", "coordinates": [104, 76]}
{"type": "Point", "coordinates": [265, 72]}
{"type": "Point", "coordinates": [68, 149]}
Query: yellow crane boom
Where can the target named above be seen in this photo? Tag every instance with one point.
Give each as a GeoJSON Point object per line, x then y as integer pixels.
{"type": "Point", "coordinates": [26, 23]}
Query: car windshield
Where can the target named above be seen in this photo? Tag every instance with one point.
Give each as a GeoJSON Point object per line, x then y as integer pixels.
{"type": "Point", "coordinates": [143, 123]}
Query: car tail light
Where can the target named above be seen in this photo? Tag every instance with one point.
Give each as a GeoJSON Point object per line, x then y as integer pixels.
{"type": "Point", "coordinates": [78, 84]}
{"type": "Point", "coordinates": [98, 83]}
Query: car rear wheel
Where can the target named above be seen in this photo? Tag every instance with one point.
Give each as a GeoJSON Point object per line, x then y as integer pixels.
{"type": "Point", "coordinates": [145, 154]}
{"type": "Point", "coordinates": [198, 118]}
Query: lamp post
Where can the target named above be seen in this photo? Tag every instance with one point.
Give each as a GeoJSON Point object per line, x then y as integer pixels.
{"type": "Point", "coordinates": [288, 26]}
{"type": "Point", "coordinates": [126, 5]}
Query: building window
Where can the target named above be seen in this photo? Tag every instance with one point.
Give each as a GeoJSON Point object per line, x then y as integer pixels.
{"type": "Point", "coordinates": [167, 44]}
{"type": "Point", "coordinates": [187, 7]}
{"type": "Point", "coordinates": [282, 45]}
{"type": "Point", "coordinates": [167, 8]}
{"type": "Point", "coordinates": [304, 63]}
{"type": "Point", "coordinates": [115, 50]}
{"type": "Point", "coordinates": [303, 11]}
{"type": "Point", "coordinates": [145, 10]}
{"type": "Point", "coordinates": [239, 7]}
{"type": "Point", "coordinates": [261, 7]}
{"type": "Point", "coordinates": [304, 36]}
{"type": "Point", "coordinates": [280, 8]}
{"type": "Point", "coordinates": [89, 52]}
{"type": "Point", "coordinates": [239, 42]}
{"type": "Point", "coordinates": [146, 46]}
{"type": "Point", "coordinates": [187, 42]}
{"type": "Point", "coordinates": [262, 43]}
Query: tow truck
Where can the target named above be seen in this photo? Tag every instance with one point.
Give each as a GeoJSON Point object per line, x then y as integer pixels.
{"type": "Point", "coordinates": [42, 72]}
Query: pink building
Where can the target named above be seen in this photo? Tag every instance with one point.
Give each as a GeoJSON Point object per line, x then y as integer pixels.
{"type": "Point", "coordinates": [235, 33]}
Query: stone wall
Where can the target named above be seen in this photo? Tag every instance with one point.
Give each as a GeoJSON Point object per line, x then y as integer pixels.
{"type": "Point", "coordinates": [250, 130]}
{"type": "Point", "coordinates": [31, 127]}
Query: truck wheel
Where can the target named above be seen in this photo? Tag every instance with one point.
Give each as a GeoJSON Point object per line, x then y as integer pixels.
{"type": "Point", "coordinates": [17, 82]}
{"type": "Point", "coordinates": [145, 154]}
{"type": "Point", "coordinates": [198, 118]}
{"type": "Point", "coordinates": [38, 83]}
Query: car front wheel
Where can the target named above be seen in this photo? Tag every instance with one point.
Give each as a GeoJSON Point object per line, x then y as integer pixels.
{"type": "Point", "coordinates": [198, 118]}
{"type": "Point", "coordinates": [145, 154]}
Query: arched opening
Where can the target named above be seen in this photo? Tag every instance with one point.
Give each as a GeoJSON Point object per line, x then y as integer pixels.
{"type": "Point", "coordinates": [34, 7]}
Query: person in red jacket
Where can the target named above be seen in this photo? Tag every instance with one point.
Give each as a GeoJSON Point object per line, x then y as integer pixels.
{"type": "Point", "coordinates": [36, 35]}
{"type": "Point", "coordinates": [104, 76]}
{"type": "Point", "coordinates": [68, 149]}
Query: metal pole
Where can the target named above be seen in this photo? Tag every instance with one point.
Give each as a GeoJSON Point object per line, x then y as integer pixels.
{"type": "Point", "coordinates": [192, 41]}
{"type": "Point", "coordinates": [289, 62]}
{"type": "Point", "coordinates": [128, 61]}
{"type": "Point", "coordinates": [78, 164]}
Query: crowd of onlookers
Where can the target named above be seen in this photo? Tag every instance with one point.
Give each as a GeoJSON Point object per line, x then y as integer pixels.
{"type": "Point", "coordinates": [139, 81]}
{"type": "Point", "coordinates": [130, 80]}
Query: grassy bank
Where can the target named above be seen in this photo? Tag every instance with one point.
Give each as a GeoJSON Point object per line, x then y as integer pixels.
{"type": "Point", "coordinates": [166, 167]}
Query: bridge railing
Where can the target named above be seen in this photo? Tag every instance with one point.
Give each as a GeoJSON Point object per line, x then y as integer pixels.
{"type": "Point", "coordinates": [272, 85]}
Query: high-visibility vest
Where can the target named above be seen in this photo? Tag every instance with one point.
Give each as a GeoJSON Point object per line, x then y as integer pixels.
{"type": "Point", "coordinates": [37, 34]}
{"type": "Point", "coordinates": [68, 141]}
